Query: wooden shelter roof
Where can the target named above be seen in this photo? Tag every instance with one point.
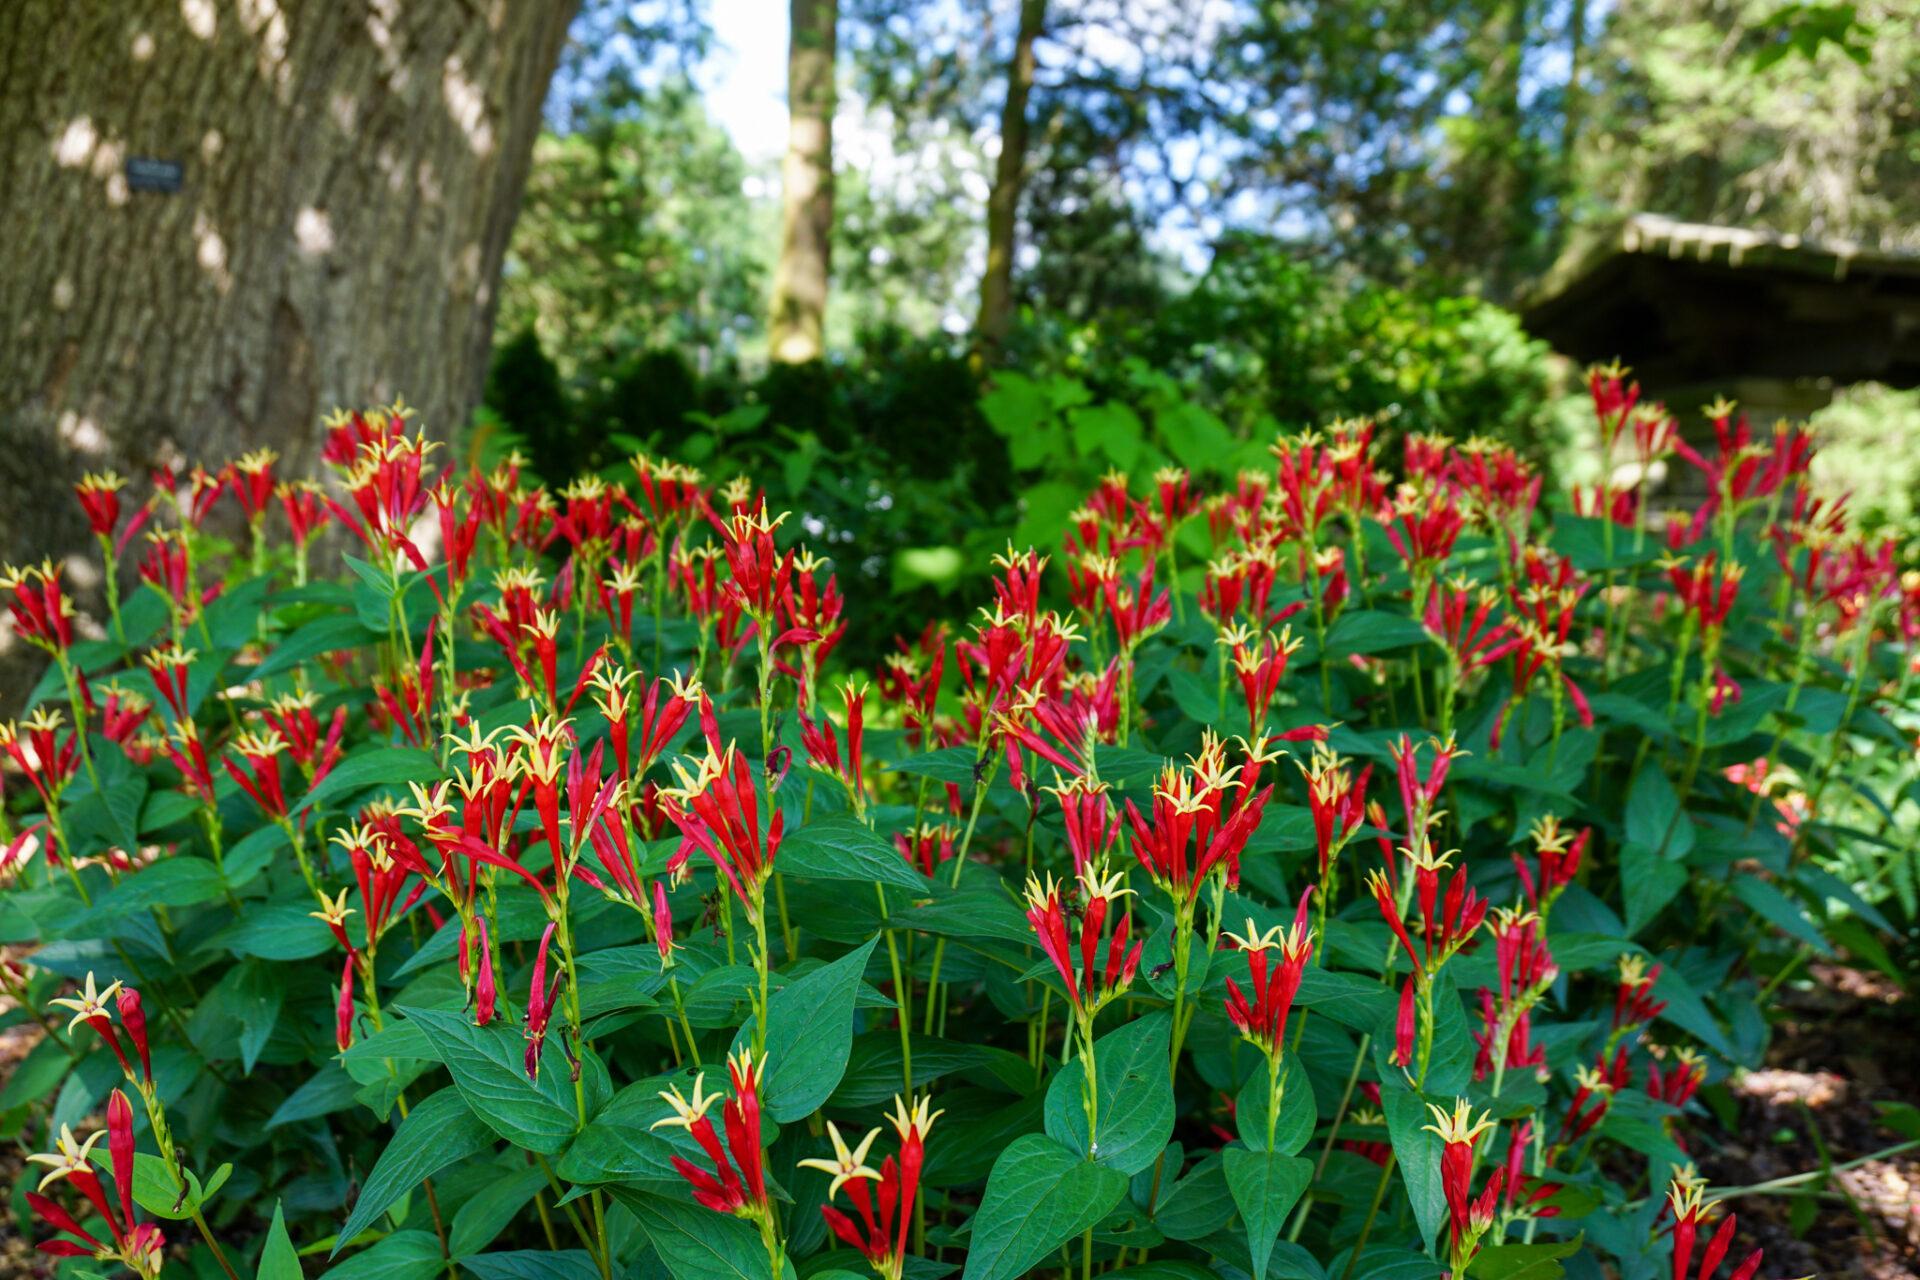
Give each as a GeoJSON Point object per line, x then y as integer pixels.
{"type": "Point", "coordinates": [1692, 304]}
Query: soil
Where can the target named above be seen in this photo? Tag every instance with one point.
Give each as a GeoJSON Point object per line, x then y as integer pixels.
{"type": "Point", "coordinates": [1844, 1040]}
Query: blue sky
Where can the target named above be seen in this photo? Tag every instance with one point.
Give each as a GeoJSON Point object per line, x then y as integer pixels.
{"type": "Point", "coordinates": [746, 79]}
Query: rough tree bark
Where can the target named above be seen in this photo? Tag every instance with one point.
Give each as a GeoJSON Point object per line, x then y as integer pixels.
{"type": "Point", "coordinates": [349, 173]}
{"type": "Point", "coordinates": [797, 332]}
{"type": "Point", "coordinates": [1010, 173]}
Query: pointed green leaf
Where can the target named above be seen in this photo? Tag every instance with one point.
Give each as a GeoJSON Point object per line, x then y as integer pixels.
{"type": "Point", "coordinates": [438, 1132]}
{"type": "Point", "coordinates": [1039, 1196]}
{"type": "Point", "coordinates": [1265, 1187]}
{"type": "Point", "coordinates": [1136, 1096]}
{"type": "Point", "coordinates": [488, 1068]}
{"type": "Point", "coordinates": [809, 1036]}
{"type": "Point", "coordinates": [278, 1260]}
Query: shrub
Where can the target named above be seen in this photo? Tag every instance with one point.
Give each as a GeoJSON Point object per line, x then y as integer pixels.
{"type": "Point", "coordinates": [1387, 891]}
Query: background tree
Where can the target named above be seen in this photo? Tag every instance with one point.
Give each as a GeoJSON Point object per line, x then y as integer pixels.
{"type": "Point", "coordinates": [801, 275]}
{"type": "Point", "coordinates": [347, 183]}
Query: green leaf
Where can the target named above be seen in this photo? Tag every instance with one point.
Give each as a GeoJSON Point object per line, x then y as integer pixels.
{"type": "Point", "coordinates": [36, 1075]}
{"type": "Point", "coordinates": [1265, 1187]}
{"type": "Point", "coordinates": [1648, 883]}
{"type": "Point", "coordinates": [1363, 631]}
{"type": "Point", "coordinates": [1298, 1114]}
{"type": "Point", "coordinates": [382, 766]}
{"type": "Point", "coordinates": [155, 1190]}
{"type": "Point", "coordinates": [1779, 910]}
{"type": "Point", "coordinates": [488, 1069]}
{"type": "Point", "coordinates": [533, 1264]}
{"type": "Point", "coordinates": [278, 1260]}
{"type": "Point", "coordinates": [843, 849]}
{"type": "Point", "coordinates": [1199, 1204]}
{"type": "Point", "coordinates": [255, 1001]}
{"type": "Point", "coordinates": [274, 931]}
{"type": "Point", "coordinates": [1654, 819]}
{"type": "Point", "coordinates": [438, 1132]}
{"type": "Point", "coordinates": [1039, 1196]}
{"type": "Point", "coordinates": [810, 1036]}
{"type": "Point", "coordinates": [170, 882]}
{"type": "Point", "coordinates": [1136, 1096]}
{"type": "Point", "coordinates": [404, 1255]}
{"type": "Point", "coordinates": [1418, 1153]}
{"type": "Point", "coordinates": [696, 1243]}
{"type": "Point", "coordinates": [328, 1090]}
{"type": "Point", "coordinates": [492, 1209]}
{"type": "Point", "coordinates": [1523, 1261]}
{"type": "Point", "coordinates": [327, 634]}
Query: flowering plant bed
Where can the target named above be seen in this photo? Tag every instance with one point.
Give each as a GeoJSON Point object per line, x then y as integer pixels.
{"type": "Point", "coordinates": [1304, 873]}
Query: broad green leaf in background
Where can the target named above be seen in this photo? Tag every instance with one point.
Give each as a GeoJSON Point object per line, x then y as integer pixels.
{"type": "Point", "coordinates": [1039, 1196]}
{"type": "Point", "coordinates": [696, 1243]}
{"type": "Point", "coordinates": [1136, 1096]}
{"type": "Point", "coordinates": [404, 1255]}
{"type": "Point", "coordinates": [1418, 1153]}
{"type": "Point", "coordinates": [842, 849]}
{"type": "Point", "coordinates": [1265, 1187]}
{"type": "Point", "coordinates": [436, 1133]}
{"type": "Point", "coordinates": [487, 1068]}
{"type": "Point", "coordinates": [810, 1036]}
{"type": "Point", "coordinates": [278, 1260]}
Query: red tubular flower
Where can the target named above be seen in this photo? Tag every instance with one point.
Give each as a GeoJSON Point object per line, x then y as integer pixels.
{"type": "Point", "coordinates": [541, 997]}
{"type": "Point", "coordinates": [1137, 612]}
{"type": "Point", "coordinates": [1259, 669]}
{"type": "Point", "coordinates": [1422, 525]}
{"type": "Point", "coordinates": [1688, 1213]}
{"type": "Point", "coordinates": [306, 510]}
{"type": "Point", "coordinates": [662, 926]}
{"type": "Point", "coordinates": [542, 748]}
{"type": "Point", "coordinates": [1526, 970]}
{"type": "Point", "coordinates": [1405, 1025]}
{"type": "Point", "coordinates": [1190, 812]}
{"type": "Point", "coordinates": [1468, 1216]}
{"type": "Point", "coordinates": [881, 1238]}
{"type": "Point", "coordinates": [1337, 801]}
{"type": "Point", "coordinates": [251, 478]}
{"type": "Point", "coordinates": [1016, 588]}
{"type": "Point", "coordinates": [1633, 1002]}
{"type": "Point", "coordinates": [1098, 977]}
{"type": "Point", "coordinates": [169, 669]}
{"type": "Point", "coordinates": [383, 859]}
{"type": "Point", "coordinates": [1706, 589]}
{"type": "Point", "coordinates": [822, 745]}
{"type": "Point", "coordinates": [737, 1185]}
{"type": "Point", "coordinates": [486, 992]}
{"type": "Point", "coordinates": [1263, 1020]}
{"type": "Point", "coordinates": [134, 1018]}
{"type": "Point", "coordinates": [35, 747]}
{"type": "Point", "coordinates": [926, 846]}
{"type": "Point", "coordinates": [387, 486]}
{"type": "Point", "coordinates": [1459, 617]}
{"type": "Point", "coordinates": [718, 811]}
{"type": "Point", "coordinates": [759, 573]}
{"type": "Point", "coordinates": [1557, 858]}
{"type": "Point", "coordinates": [99, 496]}
{"type": "Point", "coordinates": [1092, 826]}
{"type": "Point", "coordinates": [138, 1246]}
{"type": "Point", "coordinates": [90, 1007]}
{"type": "Point", "coordinates": [260, 779]}
{"type": "Point", "coordinates": [42, 612]}
{"type": "Point", "coordinates": [343, 1011]}
{"type": "Point", "coordinates": [1418, 791]}
{"type": "Point", "coordinates": [809, 613]}
{"type": "Point", "coordinates": [1592, 1094]}
{"type": "Point", "coordinates": [291, 716]}
{"type": "Point", "coordinates": [1677, 1085]}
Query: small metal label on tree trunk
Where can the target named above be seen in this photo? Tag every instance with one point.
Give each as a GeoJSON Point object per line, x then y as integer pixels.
{"type": "Point", "coordinates": [144, 173]}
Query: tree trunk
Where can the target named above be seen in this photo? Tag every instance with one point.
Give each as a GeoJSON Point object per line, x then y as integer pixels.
{"type": "Point", "coordinates": [347, 175]}
{"type": "Point", "coordinates": [1010, 174]}
{"type": "Point", "coordinates": [797, 332]}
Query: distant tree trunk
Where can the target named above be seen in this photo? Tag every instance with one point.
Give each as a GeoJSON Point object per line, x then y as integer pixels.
{"type": "Point", "coordinates": [797, 332]}
{"type": "Point", "coordinates": [1009, 177]}
{"type": "Point", "coordinates": [347, 175]}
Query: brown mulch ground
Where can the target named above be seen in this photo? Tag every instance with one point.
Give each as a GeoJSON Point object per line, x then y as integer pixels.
{"type": "Point", "coordinates": [1842, 1042]}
